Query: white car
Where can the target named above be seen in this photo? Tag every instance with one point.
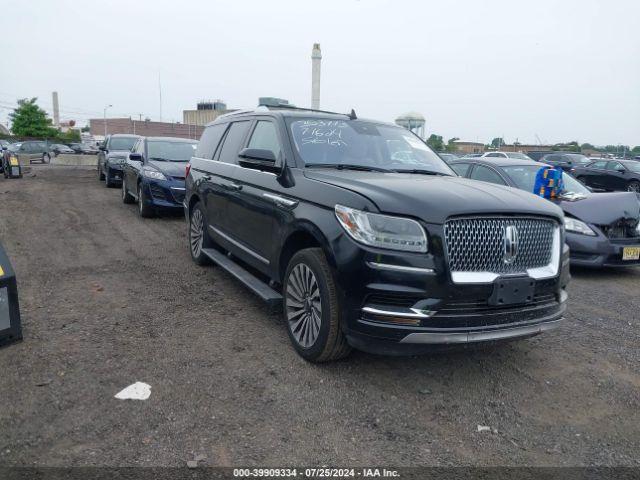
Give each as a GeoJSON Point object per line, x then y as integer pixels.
{"type": "Point", "coordinates": [517, 155]}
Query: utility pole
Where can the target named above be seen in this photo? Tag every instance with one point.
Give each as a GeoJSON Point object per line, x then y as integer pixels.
{"type": "Point", "coordinates": [105, 119]}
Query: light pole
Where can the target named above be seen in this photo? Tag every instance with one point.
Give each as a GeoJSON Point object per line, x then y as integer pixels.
{"type": "Point", "coordinates": [105, 120]}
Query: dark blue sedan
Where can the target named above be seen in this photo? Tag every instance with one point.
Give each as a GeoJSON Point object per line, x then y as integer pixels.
{"type": "Point", "coordinates": [154, 173]}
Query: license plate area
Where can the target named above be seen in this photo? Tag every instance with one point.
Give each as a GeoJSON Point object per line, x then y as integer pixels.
{"type": "Point", "coordinates": [630, 253]}
{"type": "Point", "coordinates": [512, 291]}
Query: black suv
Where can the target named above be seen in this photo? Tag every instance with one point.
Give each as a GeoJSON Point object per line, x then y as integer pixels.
{"type": "Point", "coordinates": [367, 238]}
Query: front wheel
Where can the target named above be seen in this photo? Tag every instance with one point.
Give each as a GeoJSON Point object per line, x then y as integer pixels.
{"type": "Point", "coordinates": [144, 210]}
{"type": "Point", "coordinates": [108, 182]}
{"type": "Point", "coordinates": [582, 180]}
{"type": "Point", "coordinates": [312, 309]}
{"type": "Point", "coordinates": [126, 196]}
{"type": "Point", "coordinates": [633, 186]}
{"type": "Point", "coordinates": [46, 158]}
{"type": "Point", "coordinates": [198, 236]}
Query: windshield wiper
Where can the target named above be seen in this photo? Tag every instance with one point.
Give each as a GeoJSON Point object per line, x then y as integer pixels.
{"type": "Point", "coordinates": [420, 171]}
{"type": "Point", "coordinates": [347, 166]}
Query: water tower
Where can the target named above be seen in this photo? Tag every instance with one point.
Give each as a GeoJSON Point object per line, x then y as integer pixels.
{"type": "Point", "coordinates": [413, 121]}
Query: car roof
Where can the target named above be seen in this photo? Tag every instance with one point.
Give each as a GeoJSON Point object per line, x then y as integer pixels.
{"type": "Point", "coordinates": [292, 113]}
{"type": "Point", "coordinates": [499, 161]}
{"type": "Point", "coordinates": [124, 135]}
{"type": "Point", "coordinates": [173, 139]}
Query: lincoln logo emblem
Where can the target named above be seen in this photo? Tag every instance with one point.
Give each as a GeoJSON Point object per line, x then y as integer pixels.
{"type": "Point", "coordinates": [510, 244]}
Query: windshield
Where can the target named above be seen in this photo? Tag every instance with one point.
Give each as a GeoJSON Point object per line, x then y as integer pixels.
{"type": "Point", "coordinates": [525, 178]}
{"type": "Point", "coordinates": [577, 158]}
{"type": "Point", "coordinates": [633, 166]}
{"type": "Point", "coordinates": [122, 143]}
{"type": "Point", "coordinates": [363, 144]}
{"type": "Point", "coordinates": [171, 151]}
{"type": "Point", "coordinates": [521, 156]}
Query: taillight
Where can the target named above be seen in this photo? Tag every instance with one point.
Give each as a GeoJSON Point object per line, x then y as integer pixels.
{"type": "Point", "coordinates": [187, 170]}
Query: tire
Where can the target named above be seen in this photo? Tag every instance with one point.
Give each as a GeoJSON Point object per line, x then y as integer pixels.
{"type": "Point", "coordinates": [126, 196]}
{"type": "Point", "coordinates": [581, 180]}
{"type": "Point", "coordinates": [100, 174]}
{"type": "Point", "coordinates": [198, 235]}
{"type": "Point", "coordinates": [144, 210]}
{"type": "Point", "coordinates": [315, 343]}
{"type": "Point", "coordinates": [107, 179]}
{"type": "Point", "coordinates": [633, 186]}
{"type": "Point", "coordinates": [46, 158]}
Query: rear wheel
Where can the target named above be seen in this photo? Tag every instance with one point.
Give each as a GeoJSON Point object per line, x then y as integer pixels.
{"type": "Point", "coordinates": [633, 186]}
{"type": "Point", "coordinates": [198, 235]}
{"type": "Point", "coordinates": [46, 158]}
{"type": "Point", "coordinates": [126, 196]}
{"type": "Point", "coordinates": [100, 174]}
{"type": "Point", "coordinates": [144, 210]}
{"type": "Point", "coordinates": [312, 309]}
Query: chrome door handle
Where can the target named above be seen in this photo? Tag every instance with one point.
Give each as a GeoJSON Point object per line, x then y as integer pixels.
{"type": "Point", "coordinates": [234, 187]}
{"type": "Point", "coordinates": [280, 201]}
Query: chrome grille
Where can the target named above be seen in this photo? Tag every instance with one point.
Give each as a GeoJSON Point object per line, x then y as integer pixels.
{"type": "Point", "coordinates": [478, 244]}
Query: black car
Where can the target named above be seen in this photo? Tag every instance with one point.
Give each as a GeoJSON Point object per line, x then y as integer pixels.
{"type": "Point", "coordinates": [448, 157]}
{"type": "Point", "coordinates": [365, 248]}
{"type": "Point", "coordinates": [602, 229]}
{"type": "Point", "coordinates": [566, 161]}
{"type": "Point", "coordinates": [612, 175]}
{"type": "Point", "coordinates": [154, 173]}
{"type": "Point", "coordinates": [112, 157]}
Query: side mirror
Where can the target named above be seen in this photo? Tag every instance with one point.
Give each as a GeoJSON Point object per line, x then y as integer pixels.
{"type": "Point", "coordinates": [135, 157]}
{"type": "Point", "coordinates": [102, 148]}
{"type": "Point", "coordinates": [258, 158]}
{"type": "Point", "coordinates": [620, 170]}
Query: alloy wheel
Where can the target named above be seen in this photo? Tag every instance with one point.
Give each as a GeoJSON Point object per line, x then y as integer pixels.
{"type": "Point", "coordinates": [196, 232]}
{"type": "Point", "coordinates": [140, 200]}
{"type": "Point", "coordinates": [303, 305]}
{"type": "Point", "coordinates": [124, 190]}
{"type": "Point", "coordinates": [634, 187]}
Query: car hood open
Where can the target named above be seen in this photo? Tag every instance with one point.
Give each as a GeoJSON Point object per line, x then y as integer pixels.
{"type": "Point", "coordinates": [435, 198]}
{"type": "Point", "coordinates": [603, 208]}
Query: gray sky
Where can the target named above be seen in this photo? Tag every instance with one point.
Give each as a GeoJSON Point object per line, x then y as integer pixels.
{"type": "Point", "coordinates": [564, 69]}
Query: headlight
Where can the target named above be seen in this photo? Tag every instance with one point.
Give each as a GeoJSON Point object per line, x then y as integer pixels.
{"type": "Point", "coordinates": [382, 231]}
{"type": "Point", "coordinates": [576, 226]}
{"type": "Point", "coordinates": [155, 174]}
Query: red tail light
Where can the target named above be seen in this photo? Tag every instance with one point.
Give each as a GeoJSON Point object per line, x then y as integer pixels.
{"type": "Point", "coordinates": [187, 170]}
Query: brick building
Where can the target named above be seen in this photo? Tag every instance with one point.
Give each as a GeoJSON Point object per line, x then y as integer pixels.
{"type": "Point", "coordinates": [144, 128]}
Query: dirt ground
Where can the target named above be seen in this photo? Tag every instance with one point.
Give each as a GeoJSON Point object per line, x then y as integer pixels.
{"type": "Point", "coordinates": [108, 299]}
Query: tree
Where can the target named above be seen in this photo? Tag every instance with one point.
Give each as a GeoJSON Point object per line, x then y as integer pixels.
{"type": "Point", "coordinates": [636, 150]}
{"type": "Point", "coordinates": [451, 146]}
{"type": "Point", "coordinates": [29, 120]}
{"type": "Point", "coordinates": [70, 136]}
{"type": "Point", "coordinates": [435, 142]}
{"type": "Point", "coordinates": [587, 146]}
{"type": "Point", "coordinates": [497, 142]}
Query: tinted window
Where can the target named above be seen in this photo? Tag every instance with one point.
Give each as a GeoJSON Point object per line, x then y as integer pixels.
{"type": "Point", "coordinates": [265, 137]}
{"type": "Point", "coordinates": [233, 142]}
{"type": "Point", "coordinates": [461, 168]}
{"type": "Point", "coordinates": [525, 179]}
{"type": "Point", "coordinates": [598, 165]}
{"type": "Point", "coordinates": [210, 140]}
{"type": "Point", "coordinates": [614, 166]}
{"type": "Point", "coordinates": [485, 174]}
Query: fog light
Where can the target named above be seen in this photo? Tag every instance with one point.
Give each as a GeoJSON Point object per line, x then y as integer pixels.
{"type": "Point", "coordinates": [10, 328]}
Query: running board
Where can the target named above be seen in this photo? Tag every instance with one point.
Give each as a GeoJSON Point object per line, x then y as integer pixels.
{"type": "Point", "coordinates": [272, 298]}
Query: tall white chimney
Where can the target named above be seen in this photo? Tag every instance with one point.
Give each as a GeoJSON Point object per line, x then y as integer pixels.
{"type": "Point", "coordinates": [316, 59]}
{"type": "Point", "coordinates": [56, 109]}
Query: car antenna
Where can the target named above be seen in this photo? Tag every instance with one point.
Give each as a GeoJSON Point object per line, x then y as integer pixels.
{"type": "Point", "coordinates": [352, 115]}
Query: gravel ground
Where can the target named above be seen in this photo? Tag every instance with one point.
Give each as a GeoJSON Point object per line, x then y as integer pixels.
{"type": "Point", "coordinates": [108, 299]}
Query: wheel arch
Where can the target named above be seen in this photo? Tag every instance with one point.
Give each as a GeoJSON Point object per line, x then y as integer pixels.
{"type": "Point", "coordinates": [302, 235]}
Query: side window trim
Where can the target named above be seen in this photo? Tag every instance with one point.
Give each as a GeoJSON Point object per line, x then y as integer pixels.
{"type": "Point", "coordinates": [216, 153]}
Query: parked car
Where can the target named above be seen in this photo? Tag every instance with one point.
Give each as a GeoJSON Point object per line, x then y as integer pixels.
{"type": "Point", "coordinates": [448, 157]}
{"type": "Point", "coordinates": [566, 161]}
{"type": "Point", "coordinates": [154, 173]}
{"type": "Point", "coordinates": [83, 148]}
{"type": "Point", "coordinates": [59, 148]}
{"type": "Point", "coordinates": [518, 155]}
{"type": "Point", "coordinates": [618, 175]}
{"type": "Point", "coordinates": [4, 144]}
{"type": "Point", "coordinates": [112, 157]}
{"type": "Point", "coordinates": [538, 154]}
{"type": "Point", "coordinates": [387, 255]}
{"type": "Point", "coordinates": [602, 229]}
{"type": "Point", "coordinates": [472, 155]}
{"type": "Point", "coordinates": [29, 151]}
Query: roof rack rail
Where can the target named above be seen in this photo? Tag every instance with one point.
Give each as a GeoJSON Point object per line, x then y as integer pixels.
{"type": "Point", "coordinates": [285, 106]}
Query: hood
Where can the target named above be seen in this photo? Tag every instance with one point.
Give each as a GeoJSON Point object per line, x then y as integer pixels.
{"type": "Point", "coordinates": [435, 198]}
{"type": "Point", "coordinates": [603, 208]}
{"type": "Point", "coordinates": [170, 169]}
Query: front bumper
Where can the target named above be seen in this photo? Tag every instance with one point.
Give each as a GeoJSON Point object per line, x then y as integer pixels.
{"type": "Point", "coordinates": [400, 303]}
{"type": "Point", "coordinates": [166, 194]}
{"type": "Point", "coordinates": [599, 251]}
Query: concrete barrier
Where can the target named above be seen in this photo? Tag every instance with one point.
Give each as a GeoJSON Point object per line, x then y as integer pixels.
{"type": "Point", "coordinates": [75, 160]}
